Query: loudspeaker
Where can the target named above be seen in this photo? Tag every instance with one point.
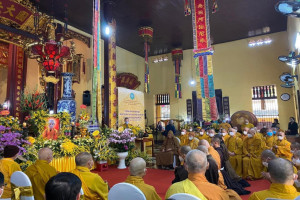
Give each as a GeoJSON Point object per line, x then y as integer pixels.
{"type": "Point", "coordinates": [145, 113]}
{"type": "Point", "coordinates": [86, 98]}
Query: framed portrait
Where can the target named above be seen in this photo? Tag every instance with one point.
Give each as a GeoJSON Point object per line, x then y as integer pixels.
{"type": "Point", "coordinates": [74, 67]}
{"type": "Point", "coordinates": [51, 131]}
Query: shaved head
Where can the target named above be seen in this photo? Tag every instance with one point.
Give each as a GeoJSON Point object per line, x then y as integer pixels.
{"type": "Point", "coordinates": [203, 148]}
{"type": "Point", "coordinates": [45, 154]}
{"type": "Point", "coordinates": [185, 149]}
{"type": "Point", "coordinates": [137, 167]}
{"type": "Point", "coordinates": [196, 161]}
{"type": "Point", "coordinates": [83, 158]}
{"type": "Point", "coordinates": [204, 143]}
{"type": "Point", "coordinates": [281, 171]}
{"type": "Point", "coordinates": [268, 154]}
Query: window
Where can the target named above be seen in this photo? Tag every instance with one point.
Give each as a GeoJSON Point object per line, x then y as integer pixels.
{"type": "Point", "coordinates": [265, 105]}
{"type": "Point", "coordinates": [162, 107]}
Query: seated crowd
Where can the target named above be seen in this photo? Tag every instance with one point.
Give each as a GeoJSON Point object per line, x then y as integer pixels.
{"type": "Point", "coordinates": [209, 165]}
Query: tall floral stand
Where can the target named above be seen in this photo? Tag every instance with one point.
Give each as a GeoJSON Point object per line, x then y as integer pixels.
{"type": "Point", "coordinates": [122, 156]}
{"type": "Point", "coordinates": [67, 103]}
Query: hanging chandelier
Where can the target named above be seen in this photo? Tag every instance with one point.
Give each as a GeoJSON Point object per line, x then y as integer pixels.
{"type": "Point", "coordinates": [51, 53]}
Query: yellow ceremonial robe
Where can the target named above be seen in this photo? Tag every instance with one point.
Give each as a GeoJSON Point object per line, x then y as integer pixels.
{"type": "Point", "coordinates": [226, 137]}
{"type": "Point", "coordinates": [39, 174]}
{"type": "Point", "coordinates": [8, 166]}
{"type": "Point", "coordinates": [185, 186]}
{"type": "Point", "coordinates": [192, 143]}
{"type": "Point", "coordinates": [270, 142]}
{"type": "Point", "coordinates": [247, 126]}
{"type": "Point", "coordinates": [216, 157]}
{"type": "Point", "coordinates": [184, 139]}
{"type": "Point", "coordinates": [202, 137]}
{"type": "Point", "coordinates": [278, 191]}
{"type": "Point", "coordinates": [148, 190]}
{"type": "Point", "coordinates": [235, 144]}
{"type": "Point", "coordinates": [284, 149]}
{"type": "Point", "coordinates": [92, 184]}
{"type": "Point", "coordinates": [225, 126]}
{"type": "Point", "coordinates": [252, 166]}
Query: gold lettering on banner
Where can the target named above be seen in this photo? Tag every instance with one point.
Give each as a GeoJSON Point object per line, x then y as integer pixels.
{"type": "Point", "coordinates": [1, 6]}
{"type": "Point", "coordinates": [200, 5]}
{"type": "Point", "coordinates": [202, 33]}
{"type": "Point", "coordinates": [201, 26]}
{"type": "Point", "coordinates": [9, 10]}
{"type": "Point", "coordinates": [22, 15]}
{"type": "Point", "coordinates": [19, 76]}
{"type": "Point", "coordinates": [202, 40]}
{"type": "Point", "coordinates": [18, 88]}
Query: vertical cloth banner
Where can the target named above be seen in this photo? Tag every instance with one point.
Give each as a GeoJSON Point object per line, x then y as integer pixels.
{"type": "Point", "coordinates": [206, 99]}
{"type": "Point", "coordinates": [177, 56]}
{"type": "Point", "coordinates": [113, 92]}
{"type": "Point", "coordinates": [96, 91]}
{"type": "Point", "coordinates": [147, 34]}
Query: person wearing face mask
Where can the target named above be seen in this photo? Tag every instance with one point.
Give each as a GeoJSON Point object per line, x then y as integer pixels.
{"type": "Point", "coordinates": [295, 146]}
{"type": "Point", "coordinates": [211, 134]}
{"type": "Point", "coordinates": [270, 139]}
{"type": "Point", "coordinates": [224, 134]}
{"type": "Point", "coordinates": [276, 124]}
{"type": "Point", "coordinates": [252, 148]}
{"type": "Point", "coordinates": [202, 135]}
{"type": "Point", "coordinates": [245, 133]}
{"type": "Point", "coordinates": [183, 136]}
{"type": "Point", "coordinates": [296, 159]}
{"type": "Point", "coordinates": [292, 127]}
{"type": "Point", "coordinates": [137, 169]}
{"type": "Point", "coordinates": [266, 156]}
{"type": "Point", "coordinates": [192, 141]}
{"type": "Point", "coordinates": [40, 172]}
{"type": "Point", "coordinates": [282, 147]}
{"type": "Point", "coordinates": [247, 124]}
{"type": "Point", "coordinates": [92, 184]}
{"type": "Point", "coordinates": [180, 171]}
{"type": "Point", "coordinates": [234, 145]}
{"type": "Point", "coordinates": [237, 133]}
{"type": "Point", "coordinates": [224, 125]}
{"type": "Point", "coordinates": [126, 123]}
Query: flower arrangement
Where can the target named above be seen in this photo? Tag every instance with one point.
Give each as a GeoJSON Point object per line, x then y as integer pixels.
{"type": "Point", "coordinates": [32, 101]}
{"type": "Point", "coordinates": [136, 153]}
{"type": "Point", "coordinates": [10, 122]}
{"type": "Point", "coordinates": [136, 130]}
{"type": "Point", "coordinates": [13, 139]}
{"type": "Point", "coordinates": [37, 121]}
{"type": "Point", "coordinates": [68, 148]}
{"type": "Point", "coordinates": [122, 141]}
{"type": "Point", "coordinates": [64, 120]}
{"type": "Point", "coordinates": [84, 117]}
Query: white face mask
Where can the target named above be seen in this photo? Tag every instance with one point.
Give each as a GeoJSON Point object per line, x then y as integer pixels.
{"type": "Point", "coordinates": [191, 137]}
{"type": "Point", "coordinates": [211, 135]}
{"type": "Point", "coordinates": [191, 130]}
{"type": "Point", "coordinates": [245, 132]}
{"type": "Point", "coordinates": [250, 135]}
{"type": "Point", "coordinates": [231, 133]}
{"type": "Point", "coordinates": [182, 133]}
{"type": "Point", "coordinates": [292, 151]}
{"type": "Point", "coordinates": [181, 159]}
{"type": "Point", "coordinates": [280, 137]}
{"type": "Point", "coordinates": [224, 134]}
{"type": "Point", "coordinates": [247, 123]}
{"type": "Point", "coordinates": [201, 133]}
{"type": "Point", "coordinates": [265, 164]}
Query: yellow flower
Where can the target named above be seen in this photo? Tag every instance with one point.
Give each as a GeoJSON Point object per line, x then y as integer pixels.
{"type": "Point", "coordinates": [95, 133]}
{"type": "Point", "coordinates": [121, 129]}
{"type": "Point", "coordinates": [31, 139]}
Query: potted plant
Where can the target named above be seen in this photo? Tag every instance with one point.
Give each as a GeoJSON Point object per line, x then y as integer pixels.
{"type": "Point", "coordinates": [122, 141]}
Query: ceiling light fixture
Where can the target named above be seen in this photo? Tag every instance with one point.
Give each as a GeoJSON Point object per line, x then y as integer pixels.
{"type": "Point", "coordinates": [160, 59]}
{"type": "Point", "coordinates": [192, 82]}
{"type": "Point", "coordinates": [107, 30]}
{"type": "Point", "coordinates": [260, 42]}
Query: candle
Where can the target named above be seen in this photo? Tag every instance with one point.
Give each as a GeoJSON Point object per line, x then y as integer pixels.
{"type": "Point", "coordinates": [24, 124]}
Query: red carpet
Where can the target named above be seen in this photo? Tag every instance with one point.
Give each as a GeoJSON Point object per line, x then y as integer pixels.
{"type": "Point", "coordinates": [161, 180]}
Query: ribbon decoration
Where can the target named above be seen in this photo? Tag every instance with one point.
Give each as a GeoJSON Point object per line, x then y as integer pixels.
{"type": "Point", "coordinates": [147, 34]}
{"type": "Point", "coordinates": [113, 102]}
{"type": "Point", "coordinates": [203, 52]}
{"type": "Point", "coordinates": [177, 56]}
{"type": "Point", "coordinates": [18, 191]}
{"type": "Point", "coordinates": [96, 91]}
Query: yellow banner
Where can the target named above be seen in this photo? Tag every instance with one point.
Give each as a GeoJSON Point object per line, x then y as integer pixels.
{"type": "Point", "coordinates": [131, 105]}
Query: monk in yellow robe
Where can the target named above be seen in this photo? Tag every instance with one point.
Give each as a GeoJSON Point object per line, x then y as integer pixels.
{"type": "Point", "coordinates": [92, 184]}
{"type": "Point", "coordinates": [137, 169]}
{"type": "Point", "coordinates": [8, 166]}
{"type": "Point", "coordinates": [244, 135]}
{"type": "Point", "coordinates": [247, 125]}
{"type": "Point", "coordinates": [183, 137]}
{"type": "Point", "coordinates": [40, 172]}
{"type": "Point", "coordinates": [234, 145]}
{"type": "Point", "coordinates": [50, 133]}
{"type": "Point", "coordinates": [217, 158]}
{"type": "Point", "coordinates": [196, 165]}
{"type": "Point", "coordinates": [225, 126]}
{"type": "Point", "coordinates": [270, 139]}
{"type": "Point", "coordinates": [238, 134]}
{"type": "Point", "coordinates": [282, 147]}
{"type": "Point", "coordinates": [225, 135]}
{"type": "Point", "coordinates": [126, 123]}
{"type": "Point", "coordinates": [211, 134]}
{"type": "Point", "coordinates": [282, 177]}
{"type": "Point", "coordinates": [202, 135]}
{"type": "Point", "coordinates": [192, 141]}
{"type": "Point", "coordinates": [252, 148]}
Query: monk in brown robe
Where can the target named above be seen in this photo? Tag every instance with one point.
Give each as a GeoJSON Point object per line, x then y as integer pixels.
{"type": "Point", "coordinates": [170, 148]}
{"type": "Point", "coordinates": [50, 133]}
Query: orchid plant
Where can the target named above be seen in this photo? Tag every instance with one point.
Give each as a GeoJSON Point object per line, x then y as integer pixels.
{"type": "Point", "coordinates": [121, 141]}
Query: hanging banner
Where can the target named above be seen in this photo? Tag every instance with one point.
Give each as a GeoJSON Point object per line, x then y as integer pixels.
{"type": "Point", "coordinates": [177, 56]}
{"type": "Point", "coordinates": [206, 99]}
{"type": "Point", "coordinates": [131, 105]}
{"type": "Point", "coordinates": [112, 77]}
